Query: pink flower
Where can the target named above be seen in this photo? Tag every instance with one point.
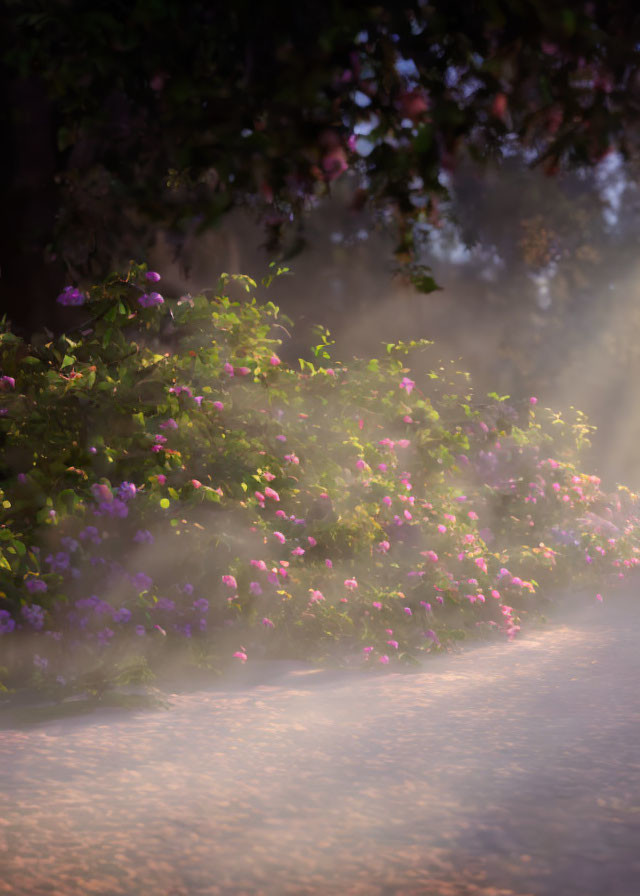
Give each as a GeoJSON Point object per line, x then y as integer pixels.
{"type": "Point", "coordinates": [472, 515]}
{"type": "Point", "coordinates": [377, 604]}
{"type": "Point", "coordinates": [271, 493]}
{"type": "Point", "coordinates": [280, 537]}
{"type": "Point", "coordinates": [430, 555]}
{"type": "Point", "coordinates": [255, 588]}
{"type": "Point", "coordinates": [243, 371]}
{"type": "Point", "coordinates": [367, 650]}
{"type": "Point", "coordinates": [351, 584]}
{"type": "Point", "coordinates": [7, 382]}
{"type": "Point", "coordinates": [442, 529]}
{"type": "Point", "coordinates": [259, 564]}
{"type": "Point", "coordinates": [267, 623]}
{"type": "Point", "coordinates": [274, 360]}
{"type": "Point", "coordinates": [228, 369]}
{"type": "Point", "coordinates": [316, 596]}
{"type": "Point", "coordinates": [196, 483]}
{"type": "Point", "coordinates": [269, 476]}
{"type": "Point", "coordinates": [218, 406]}
{"type": "Point", "coordinates": [393, 644]}
{"type": "Point", "coordinates": [403, 443]}
{"type": "Point", "coordinates": [161, 478]}
{"type": "Point", "coordinates": [298, 552]}
{"type": "Point", "coordinates": [408, 611]}
{"type": "Point", "coordinates": [360, 464]}
{"type": "Point", "coordinates": [384, 659]}
{"type": "Point", "coordinates": [383, 547]}
{"type": "Point", "coordinates": [230, 581]}
{"type": "Point", "coordinates": [533, 401]}
{"type": "Point", "coordinates": [312, 541]}
{"type": "Point", "coordinates": [328, 563]}
{"type": "Point", "coordinates": [387, 500]}
{"type": "Point", "coordinates": [481, 563]}
{"type": "Point", "coordinates": [240, 655]}
{"type": "Point", "coordinates": [407, 384]}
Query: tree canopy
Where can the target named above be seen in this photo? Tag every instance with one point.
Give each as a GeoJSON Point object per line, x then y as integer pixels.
{"type": "Point", "coordinates": [123, 118]}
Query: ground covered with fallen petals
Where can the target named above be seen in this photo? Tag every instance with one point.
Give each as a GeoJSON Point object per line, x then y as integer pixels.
{"type": "Point", "coordinates": [508, 769]}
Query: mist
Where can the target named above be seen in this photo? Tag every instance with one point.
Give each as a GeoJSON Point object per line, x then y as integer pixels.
{"type": "Point", "coordinates": [507, 767]}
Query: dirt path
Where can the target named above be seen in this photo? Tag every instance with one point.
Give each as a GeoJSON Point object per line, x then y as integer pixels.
{"type": "Point", "coordinates": [510, 770]}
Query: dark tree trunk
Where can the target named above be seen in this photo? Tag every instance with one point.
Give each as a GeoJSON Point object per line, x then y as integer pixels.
{"type": "Point", "coordinates": [30, 279]}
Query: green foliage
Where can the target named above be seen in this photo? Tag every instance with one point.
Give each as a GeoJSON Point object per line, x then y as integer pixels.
{"type": "Point", "coordinates": [173, 114]}
{"type": "Point", "coordinates": [171, 489]}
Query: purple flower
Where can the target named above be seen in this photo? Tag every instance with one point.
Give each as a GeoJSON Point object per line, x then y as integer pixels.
{"type": "Point", "coordinates": [169, 424]}
{"type": "Point", "coordinates": [150, 300]}
{"type": "Point", "coordinates": [70, 295]}
{"type": "Point", "coordinates": [90, 533]}
{"type": "Point", "coordinates": [126, 491]}
{"type": "Point", "coordinates": [7, 624]}
{"type": "Point", "coordinates": [122, 615]}
{"type": "Point", "coordinates": [105, 635]}
{"type": "Point", "coordinates": [69, 543]}
{"type": "Point", "coordinates": [187, 589]}
{"type": "Point", "coordinates": [140, 630]}
{"type": "Point", "coordinates": [7, 382]}
{"type": "Point", "coordinates": [33, 586]}
{"type": "Point", "coordinates": [34, 615]}
{"type": "Point", "coordinates": [143, 536]}
{"type": "Point", "coordinates": [164, 603]}
{"type": "Point", "coordinates": [101, 606]}
{"type": "Point", "coordinates": [40, 661]}
{"type": "Point", "coordinates": [201, 604]}
{"type": "Point", "coordinates": [153, 276]}
{"type": "Point", "coordinates": [114, 508]}
{"type": "Point", "coordinates": [142, 581]}
{"type": "Point", "coordinates": [60, 562]}
{"type": "Point", "coordinates": [254, 588]}
{"type": "Point", "coordinates": [87, 602]}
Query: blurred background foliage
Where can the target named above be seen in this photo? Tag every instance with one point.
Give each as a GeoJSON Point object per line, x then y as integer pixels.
{"type": "Point", "coordinates": [490, 149]}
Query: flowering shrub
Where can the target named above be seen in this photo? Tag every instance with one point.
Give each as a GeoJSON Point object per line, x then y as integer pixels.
{"type": "Point", "coordinates": [169, 485]}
